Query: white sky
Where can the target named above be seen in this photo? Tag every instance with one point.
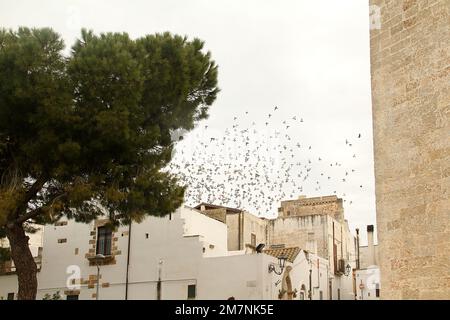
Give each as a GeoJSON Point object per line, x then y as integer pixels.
{"type": "Point", "coordinates": [309, 58]}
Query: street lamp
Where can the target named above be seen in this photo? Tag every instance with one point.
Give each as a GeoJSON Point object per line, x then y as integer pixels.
{"type": "Point", "coordinates": [97, 259]}
{"type": "Point", "coordinates": [281, 264]}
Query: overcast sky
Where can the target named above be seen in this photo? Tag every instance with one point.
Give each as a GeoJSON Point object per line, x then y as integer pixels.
{"type": "Point", "coordinates": [309, 58]}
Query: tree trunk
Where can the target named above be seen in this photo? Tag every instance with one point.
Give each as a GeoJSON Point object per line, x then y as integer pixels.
{"type": "Point", "coordinates": [26, 268]}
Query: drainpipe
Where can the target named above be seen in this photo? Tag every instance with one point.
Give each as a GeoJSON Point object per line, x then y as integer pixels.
{"type": "Point", "coordinates": [334, 253]}
{"type": "Point", "coordinates": [328, 282]}
{"type": "Point", "coordinates": [318, 273]}
{"type": "Point", "coordinates": [158, 285]}
{"type": "Point", "coordinates": [357, 249]}
{"type": "Point", "coordinates": [128, 261]}
{"type": "Point", "coordinates": [241, 232]}
{"type": "Point", "coordinates": [370, 245]}
{"type": "Point", "coordinates": [310, 283]}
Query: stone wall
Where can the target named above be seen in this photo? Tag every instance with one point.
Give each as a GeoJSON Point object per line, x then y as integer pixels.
{"type": "Point", "coordinates": [410, 66]}
{"type": "Point", "coordinates": [256, 226]}
{"type": "Point", "coordinates": [241, 226]}
{"type": "Point", "coordinates": [366, 260]}
{"type": "Point", "coordinates": [303, 206]}
{"type": "Point", "coordinates": [308, 233]}
{"type": "Point", "coordinates": [219, 214]}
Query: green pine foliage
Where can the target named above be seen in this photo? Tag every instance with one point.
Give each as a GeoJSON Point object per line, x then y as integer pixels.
{"type": "Point", "coordinates": [93, 128]}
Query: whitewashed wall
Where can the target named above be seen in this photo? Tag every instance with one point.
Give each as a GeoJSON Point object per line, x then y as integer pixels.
{"type": "Point", "coordinates": [8, 284]}
{"type": "Point", "coordinates": [153, 241]}
{"type": "Point", "coordinates": [300, 276]}
{"type": "Point", "coordinates": [212, 233]}
{"type": "Point", "coordinates": [238, 276]}
{"type": "Point", "coordinates": [170, 248]}
{"type": "Point", "coordinates": [369, 278]}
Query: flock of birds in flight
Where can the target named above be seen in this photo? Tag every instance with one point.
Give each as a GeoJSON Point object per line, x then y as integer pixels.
{"type": "Point", "coordinates": [252, 168]}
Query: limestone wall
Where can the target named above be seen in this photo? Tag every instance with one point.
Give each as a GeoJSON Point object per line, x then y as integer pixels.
{"type": "Point", "coordinates": [256, 226]}
{"type": "Point", "coordinates": [218, 214]}
{"type": "Point", "coordinates": [303, 206]}
{"type": "Point", "coordinates": [410, 62]}
{"type": "Point", "coordinates": [308, 233]}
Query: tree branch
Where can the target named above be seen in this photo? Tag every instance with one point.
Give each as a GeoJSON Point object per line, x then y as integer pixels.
{"type": "Point", "coordinates": [35, 188]}
{"type": "Point", "coordinates": [32, 191]}
{"type": "Point", "coordinates": [29, 215]}
{"type": "Point", "coordinates": [35, 212]}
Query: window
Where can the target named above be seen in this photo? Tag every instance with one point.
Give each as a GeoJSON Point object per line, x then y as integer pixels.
{"type": "Point", "coordinates": [104, 236]}
{"type": "Point", "coordinates": [191, 291]}
{"type": "Point", "coordinates": [321, 295]}
{"type": "Point", "coordinates": [11, 296]}
{"type": "Point", "coordinates": [72, 297]}
{"type": "Point", "coordinates": [377, 290]}
{"type": "Point", "coordinates": [253, 240]}
{"type": "Point", "coordinates": [339, 294]}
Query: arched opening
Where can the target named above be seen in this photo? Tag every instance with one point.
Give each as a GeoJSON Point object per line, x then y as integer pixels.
{"type": "Point", "coordinates": [286, 292]}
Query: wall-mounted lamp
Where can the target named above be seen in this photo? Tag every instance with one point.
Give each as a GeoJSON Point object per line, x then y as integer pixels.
{"type": "Point", "coordinates": [97, 259]}
{"type": "Point", "coordinates": [260, 247]}
{"type": "Point", "coordinates": [281, 264]}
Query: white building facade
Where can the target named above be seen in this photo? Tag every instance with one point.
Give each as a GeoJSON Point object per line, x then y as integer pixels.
{"type": "Point", "coordinates": [367, 277]}
{"type": "Point", "coordinates": [181, 256]}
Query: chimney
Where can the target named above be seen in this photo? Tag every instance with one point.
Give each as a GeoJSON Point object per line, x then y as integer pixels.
{"type": "Point", "coordinates": [202, 207]}
{"type": "Point", "coordinates": [370, 246]}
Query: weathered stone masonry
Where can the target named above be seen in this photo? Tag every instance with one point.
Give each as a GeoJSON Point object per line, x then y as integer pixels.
{"type": "Point", "coordinates": [410, 66]}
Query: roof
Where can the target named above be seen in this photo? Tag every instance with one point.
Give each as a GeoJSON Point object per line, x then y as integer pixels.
{"type": "Point", "coordinates": [303, 201]}
{"type": "Point", "coordinates": [209, 206]}
{"type": "Point", "coordinates": [290, 253]}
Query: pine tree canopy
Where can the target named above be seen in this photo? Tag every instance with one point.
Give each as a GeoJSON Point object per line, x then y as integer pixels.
{"type": "Point", "coordinates": [89, 131]}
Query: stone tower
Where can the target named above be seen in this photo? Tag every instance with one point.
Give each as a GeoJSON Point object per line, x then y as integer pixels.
{"type": "Point", "coordinates": [410, 66]}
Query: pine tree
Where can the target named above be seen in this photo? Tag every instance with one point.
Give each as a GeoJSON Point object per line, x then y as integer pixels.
{"type": "Point", "coordinates": [89, 133]}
